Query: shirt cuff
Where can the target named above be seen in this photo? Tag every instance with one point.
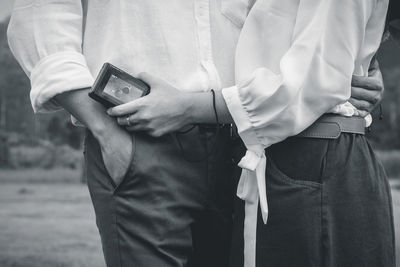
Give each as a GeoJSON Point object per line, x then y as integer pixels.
{"type": "Point", "coordinates": [240, 116]}
{"type": "Point", "coordinates": [56, 74]}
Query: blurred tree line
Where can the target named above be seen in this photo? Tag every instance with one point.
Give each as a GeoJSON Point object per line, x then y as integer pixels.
{"type": "Point", "coordinates": [16, 115]}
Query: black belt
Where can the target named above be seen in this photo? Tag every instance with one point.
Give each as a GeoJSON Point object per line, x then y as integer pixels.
{"type": "Point", "coordinates": [330, 126]}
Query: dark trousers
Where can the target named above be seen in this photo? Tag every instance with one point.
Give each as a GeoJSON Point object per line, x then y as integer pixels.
{"type": "Point", "coordinates": [329, 206]}
{"type": "Point", "coordinates": [167, 211]}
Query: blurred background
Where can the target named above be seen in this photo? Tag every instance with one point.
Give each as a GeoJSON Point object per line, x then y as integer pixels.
{"type": "Point", "coordinates": [46, 217]}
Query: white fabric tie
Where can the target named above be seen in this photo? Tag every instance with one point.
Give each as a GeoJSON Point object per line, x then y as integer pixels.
{"type": "Point", "coordinates": [252, 190]}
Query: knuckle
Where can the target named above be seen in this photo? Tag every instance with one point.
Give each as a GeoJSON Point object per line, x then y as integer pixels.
{"type": "Point", "coordinates": [381, 87]}
{"type": "Point", "coordinates": [156, 133]}
{"type": "Point", "coordinates": [366, 105]}
{"type": "Point", "coordinates": [151, 127]}
{"type": "Point", "coordinates": [152, 133]}
{"type": "Point", "coordinates": [356, 80]}
{"type": "Point", "coordinates": [376, 99]}
{"type": "Point", "coordinates": [117, 111]}
{"type": "Point", "coordinates": [376, 86]}
{"type": "Point", "coordinates": [145, 117]}
{"type": "Point", "coordinates": [361, 104]}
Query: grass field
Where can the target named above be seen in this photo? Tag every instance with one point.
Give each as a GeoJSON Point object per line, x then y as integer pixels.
{"type": "Point", "coordinates": [53, 225]}
{"type": "Point", "coordinates": [48, 225]}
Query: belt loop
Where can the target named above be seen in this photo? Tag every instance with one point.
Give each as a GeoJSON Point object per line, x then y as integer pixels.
{"type": "Point", "coordinates": [234, 132]}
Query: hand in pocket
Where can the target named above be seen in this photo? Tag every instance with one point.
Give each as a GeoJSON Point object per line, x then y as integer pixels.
{"type": "Point", "coordinates": [116, 149]}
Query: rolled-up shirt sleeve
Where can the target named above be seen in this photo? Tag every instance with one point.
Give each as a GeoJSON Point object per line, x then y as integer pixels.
{"type": "Point", "coordinates": [311, 76]}
{"type": "Point", "coordinates": [46, 39]}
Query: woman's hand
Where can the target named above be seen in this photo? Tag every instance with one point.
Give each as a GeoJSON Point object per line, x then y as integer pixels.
{"type": "Point", "coordinates": [164, 110]}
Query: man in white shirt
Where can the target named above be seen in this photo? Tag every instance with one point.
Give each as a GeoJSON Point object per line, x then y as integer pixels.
{"type": "Point", "coordinates": [154, 205]}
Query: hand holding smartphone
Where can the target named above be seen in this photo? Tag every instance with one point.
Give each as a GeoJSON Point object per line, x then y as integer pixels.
{"type": "Point", "coordinates": [114, 86]}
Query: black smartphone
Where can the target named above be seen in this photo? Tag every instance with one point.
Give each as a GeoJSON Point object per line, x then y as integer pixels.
{"type": "Point", "coordinates": [114, 86]}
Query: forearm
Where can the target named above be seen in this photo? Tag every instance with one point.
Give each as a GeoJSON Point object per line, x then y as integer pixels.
{"type": "Point", "coordinates": [202, 110]}
{"type": "Point", "coordinates": [89, 112]}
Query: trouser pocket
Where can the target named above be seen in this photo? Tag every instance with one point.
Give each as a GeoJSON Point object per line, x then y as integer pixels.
{"type": "Point", "coordinates": [301, 159]}
{"type": "Point", "coordinates": [293, 233]}
{"type": "Point", "coordinates": [94, 159]}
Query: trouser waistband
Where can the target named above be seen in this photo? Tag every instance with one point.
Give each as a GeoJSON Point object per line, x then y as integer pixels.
{"type": "Point", "coordinates": [328, 126]}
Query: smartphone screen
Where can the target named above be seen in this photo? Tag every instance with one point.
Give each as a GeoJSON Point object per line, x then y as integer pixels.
{"type": "Point", "coordinates": [121, 89]}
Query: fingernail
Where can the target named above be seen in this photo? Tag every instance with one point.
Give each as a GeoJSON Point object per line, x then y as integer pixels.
{"type": "Point", "coordinates": [109, 111]}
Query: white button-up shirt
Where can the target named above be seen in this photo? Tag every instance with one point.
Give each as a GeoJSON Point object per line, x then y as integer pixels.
{"type": "Point", "coordinates": [62, 45]}
{"type": "Point", "coordinates": [290, 63]}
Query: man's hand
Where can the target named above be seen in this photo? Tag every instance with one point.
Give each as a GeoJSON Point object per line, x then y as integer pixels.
{"type": "Point", "coordinates": [116, 149]}
{"type": "Point", "coordinates": [115, 142]}
{"type": "Point", "coordinates": [164, 110]}
{"type": "Point", "coordinates": [367, 92]}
